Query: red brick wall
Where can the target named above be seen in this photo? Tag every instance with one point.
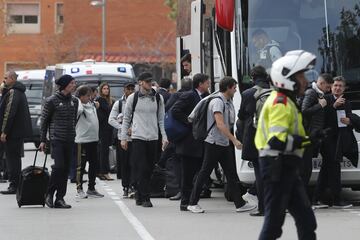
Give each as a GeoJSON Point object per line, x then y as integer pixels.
{"type": "Point", "coordinates": [133, 27]}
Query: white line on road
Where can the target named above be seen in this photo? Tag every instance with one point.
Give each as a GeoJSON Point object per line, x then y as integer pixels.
{"type": "Point", "coordinates": [137, 225]}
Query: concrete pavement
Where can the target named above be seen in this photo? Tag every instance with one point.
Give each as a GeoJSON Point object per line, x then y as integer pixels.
{"type": "Point", "coordinates": [115, 218]}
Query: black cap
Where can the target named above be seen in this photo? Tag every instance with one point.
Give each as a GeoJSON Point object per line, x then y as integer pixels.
{"type": "Point", "coordinates": [145, 76]}
{"type": "Point", "coordinates": [63, 81]}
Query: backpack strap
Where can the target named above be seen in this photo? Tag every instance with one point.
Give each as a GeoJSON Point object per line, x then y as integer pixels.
{"type": "Point", "coordinates": [120, 106]}
{"type": "Point", "coordinates": [213, 125]}
{"type": "Point", "coordinates": [135, 100]}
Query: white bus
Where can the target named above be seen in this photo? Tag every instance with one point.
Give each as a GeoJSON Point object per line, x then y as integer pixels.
{"type": "Point", "coordinates": [220, 41]}
{"type": "Point", "coordinates": [92, 73]}
{"type": "Point", "coordinates": [34, 82]}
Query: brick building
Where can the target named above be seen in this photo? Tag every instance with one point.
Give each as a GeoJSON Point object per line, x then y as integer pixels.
{"type": "Point", "coordinates": [36, 33]}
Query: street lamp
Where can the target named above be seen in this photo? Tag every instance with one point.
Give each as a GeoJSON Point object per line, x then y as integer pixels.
{"type": "Point", "coordinates": [103, 5]}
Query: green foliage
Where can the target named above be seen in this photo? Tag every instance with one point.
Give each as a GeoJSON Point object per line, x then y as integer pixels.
{"type": "Point", "coordinates": [172, 4]}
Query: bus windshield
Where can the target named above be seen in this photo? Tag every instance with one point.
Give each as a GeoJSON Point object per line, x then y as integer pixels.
{"type": "Point", "coordinates": [328, 28]}
{"type": "Point", "coordinates": [34, 90]}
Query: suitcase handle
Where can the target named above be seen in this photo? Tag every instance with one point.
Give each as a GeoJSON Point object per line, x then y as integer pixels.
{"type": "Point", "coordinates": [36, 153]}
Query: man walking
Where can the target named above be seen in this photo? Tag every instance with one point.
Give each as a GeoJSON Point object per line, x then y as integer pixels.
{"type": "Point", "coordinates": [15, 126]}
{"type": "Point", "coordinates": [144, 112]}
{"type": "Point", "coordinates": [220, 119]}
{"type": "Point", "coordinates": [189, 149]}
{"type": "Point", "coordinates": [124, 164]}
{"type": "Point", "coordinates": [59, 116]}
{"type": "Point", "coordinates": [280, 138]}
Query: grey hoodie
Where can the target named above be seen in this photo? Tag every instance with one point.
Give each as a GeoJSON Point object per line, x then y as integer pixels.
{"type": "Point", "coordinates": [146, 120]}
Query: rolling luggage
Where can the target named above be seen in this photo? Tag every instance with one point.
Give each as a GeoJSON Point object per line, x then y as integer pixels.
{"type": "Point", "coordinates": [33, 184]}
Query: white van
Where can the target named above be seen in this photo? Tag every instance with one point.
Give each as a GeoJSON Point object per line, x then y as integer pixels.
{"type": "Point", "coordinates": [34, 82]}
{"type": "Point", "coordinates": [92, 73]}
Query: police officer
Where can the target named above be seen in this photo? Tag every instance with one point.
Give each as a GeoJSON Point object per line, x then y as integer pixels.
{"type": "Point", "coordinates": [280, 139]}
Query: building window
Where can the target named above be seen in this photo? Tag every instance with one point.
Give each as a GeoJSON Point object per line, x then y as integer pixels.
{"type": "Point", "coordinates": [59, 17]}
{"type": "Point", "coordinates": [23, 18]}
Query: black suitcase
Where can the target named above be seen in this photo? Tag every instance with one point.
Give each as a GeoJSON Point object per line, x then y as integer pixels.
{"type": "Point", "coordinates": [33, 184]}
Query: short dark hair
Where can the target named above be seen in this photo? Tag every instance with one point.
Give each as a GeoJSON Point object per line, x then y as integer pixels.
{"type": "Point", "coordinates": [82, 90]}
{"type": "Point", "coordinates": [129, 86]}
{"type": "Point", "coordinates": [327, 77]}
{"type": "Point", "coordinates": [94, 88]}
{"type": "Point", "coordinates": [199, 78]}
{"type": "Point", "coordinates": [258, 72]}
{"type": "Point", "coordinates": [186, 58]}
{"type": "Point", "coordinates": [226, 83]}
{"type": "Point", "coordinates": [340, 79]}
{"type": "Point", "coordinates": [165, 83]}
{"type": "Point", "coordinates": [145, 76]}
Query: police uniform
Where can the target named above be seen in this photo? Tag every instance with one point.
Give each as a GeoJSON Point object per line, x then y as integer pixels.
{"type": "Point", "coordinates": [280, 139]}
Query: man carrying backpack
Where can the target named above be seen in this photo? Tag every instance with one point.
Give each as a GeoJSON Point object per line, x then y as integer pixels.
{"type": "Point", "coordinates": [252, 100]}
{"type": "Point", "coordinates": [220, 117]}
{"type": "Point", "coordinates": [144, 112]}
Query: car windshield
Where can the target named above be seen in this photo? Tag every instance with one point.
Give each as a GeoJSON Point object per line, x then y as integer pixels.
{"type": "Point", "coordinates": [33, 91]}
{"type": "Point", "coordinates": [329, 28]}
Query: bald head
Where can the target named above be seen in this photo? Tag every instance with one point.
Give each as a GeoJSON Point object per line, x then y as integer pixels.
{"type": "Point", "coordinates": [10, 78]}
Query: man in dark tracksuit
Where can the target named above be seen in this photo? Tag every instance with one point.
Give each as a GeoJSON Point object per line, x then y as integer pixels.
{"type": "Point", "coordinates": [246, 130]}
{"type": "Point", "coordinates": [190, 150]}
{"type": "Point", "coordinates": [312, 108]}
{"type": "Point", "coordinates": [15, 126]}
{"type": "Point", "coordinates": [59, 116]}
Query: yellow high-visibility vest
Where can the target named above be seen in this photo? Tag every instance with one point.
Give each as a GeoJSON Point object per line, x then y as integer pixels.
{"type": "Point", "coordinates": [279, 118]}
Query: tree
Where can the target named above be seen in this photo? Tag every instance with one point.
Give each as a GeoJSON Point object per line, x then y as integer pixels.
{"type": "Point", "coordinates": [172, 4]}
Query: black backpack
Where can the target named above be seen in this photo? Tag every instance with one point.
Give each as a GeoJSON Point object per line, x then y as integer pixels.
{"type": "Point", "coordinates": [199, 122]}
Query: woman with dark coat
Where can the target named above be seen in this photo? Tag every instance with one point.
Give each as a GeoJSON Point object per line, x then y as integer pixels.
{"type": "Point", "coordinates": [105, 130]}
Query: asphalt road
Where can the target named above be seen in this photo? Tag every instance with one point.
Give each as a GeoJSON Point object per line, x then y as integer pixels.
{"type": "Point", "coordinates": [115, 218]}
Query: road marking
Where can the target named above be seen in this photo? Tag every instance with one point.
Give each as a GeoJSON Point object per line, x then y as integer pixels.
{"type": "Point", "coordinates": [136, 224]}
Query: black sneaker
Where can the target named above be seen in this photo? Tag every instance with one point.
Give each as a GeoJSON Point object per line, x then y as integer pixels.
{"type": "Point", "coordinates": [342, 205]}
{"type": "Point", "coordinates": [147, 204]}
{"type": "Point", "coordinates": [49, 200]}
{"type": "Point", "coordinates": [125, 192]}
{"type": "Point", "coordinates": [183, 208]}
{"type": "Point", "coordinates": [61, 204]}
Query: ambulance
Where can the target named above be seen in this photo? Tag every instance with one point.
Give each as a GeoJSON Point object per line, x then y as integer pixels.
{"type": "Point", "coordinates": [91, 73]}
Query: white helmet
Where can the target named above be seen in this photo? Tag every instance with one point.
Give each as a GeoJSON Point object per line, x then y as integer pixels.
{"type": "Point", "coordinates": [284, 68]}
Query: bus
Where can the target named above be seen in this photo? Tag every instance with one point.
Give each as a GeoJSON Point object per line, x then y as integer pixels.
{"type": "Point", "coordinates": [34, 82]}
{"type": "Point", "coordinates": [92, 73]}
{"type": "Point", "coordinates": [220, 36]}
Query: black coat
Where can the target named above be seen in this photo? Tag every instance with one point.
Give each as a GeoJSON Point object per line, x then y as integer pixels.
{"type": "Point", "coordinates": [312, 111]}
{"type": "Point", "coordinates": [342, 138]}
{"type": "Point", "coordinates": [181, 110]}
{"type": "Point", "coordinates": [15, 116]}
{"type": "Point", "coordinates": [59, 116]}
{"type": "Point", "coordinates": [165, 94]}
{"type": "Point", "coordinates": [103, 113]}
{"type": "Point", "coordinates": [245, 130]}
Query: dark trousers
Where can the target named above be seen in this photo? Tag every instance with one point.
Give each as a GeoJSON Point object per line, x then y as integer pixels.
{"type": "Point", "coordinates": [144, 157]}
{"type": "Point", "coordinates": [259, 185]}
{"type": "Point", "coordinates": [62, 153]}
{"type": "Point", "coordinates": [286, 191]}
{"type": "Point", "coordinates": [105, 137]}
{"type": "Point", "coordinates": [90, 150]}
{"type": "Point", "coordinates": [13, 150]}
{"type": "Point", "coordinates": [126, 166]}
{"type": "Point", "coordinates": [214, 154]}
{"type": "Point", "coordinates": [330, 172]}
{"type": "Point", "coordinates": [190, 166]}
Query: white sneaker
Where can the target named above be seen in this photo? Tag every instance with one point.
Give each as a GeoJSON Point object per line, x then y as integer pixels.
{"type": "Point", "coordinates": [81, 194]}
{"type": "Point", "coordinates": [195, 209]}
{"type": "Point", "coordinates": [248, 197]}
{"type": "Point", "coordinates": [246, 207]}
